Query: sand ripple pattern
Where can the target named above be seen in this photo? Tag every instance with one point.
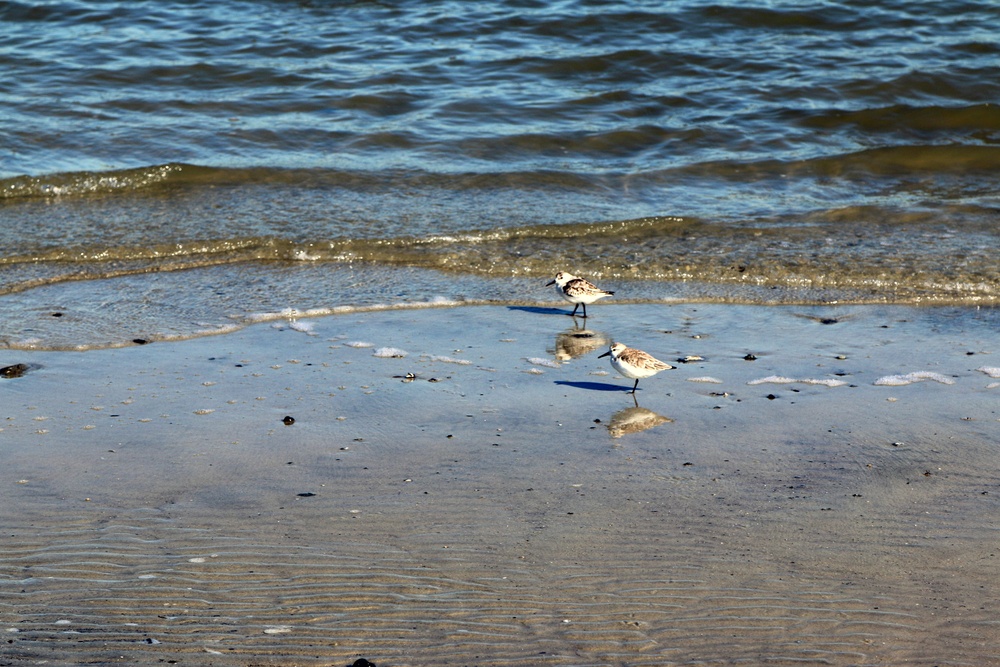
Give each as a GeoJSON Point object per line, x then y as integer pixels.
{"type": "Point", "coordinates": [151, 591]}
{"type": "Point", "coordinates": [487, 519]}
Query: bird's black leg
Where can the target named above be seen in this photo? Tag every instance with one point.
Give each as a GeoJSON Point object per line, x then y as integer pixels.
{"type": "Point", "coordinates": [634, 386]}
{"type": "Point", "coordinates": [573, 314]}
{"type": "Point", "coordinates": [584, 310]}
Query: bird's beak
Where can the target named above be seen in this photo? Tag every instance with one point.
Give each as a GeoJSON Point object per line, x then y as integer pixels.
{"type": "Point", "coordinates": [600, 356]}
{"type": "Point", "coordinates": [550, 283]}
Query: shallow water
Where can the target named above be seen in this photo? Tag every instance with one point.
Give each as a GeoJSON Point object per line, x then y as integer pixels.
{"type": "Point", "coordinates": [519, 508]}
{"type": "Point", "coordinates": [763, 153]}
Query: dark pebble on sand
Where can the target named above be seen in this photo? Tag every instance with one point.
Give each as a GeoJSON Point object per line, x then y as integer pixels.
{"type": "Point", "coordinates": [14, 370]}
{"type": "Point", "coordinates": [288, 421]}
{"type": "Point", "coordinates": [361, 662]}
{"type": "Point", "coordinates": [750, 357]}
{"type": "Point", "coordinates": [771, 397]}
{"type": "Point", "coordinates": [306, 494]}
{"type": "Point", "coordinates": [139, 341]}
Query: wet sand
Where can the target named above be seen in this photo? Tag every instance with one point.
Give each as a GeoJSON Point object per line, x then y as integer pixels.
{"type": "Point", "coordinates": [782, 500]}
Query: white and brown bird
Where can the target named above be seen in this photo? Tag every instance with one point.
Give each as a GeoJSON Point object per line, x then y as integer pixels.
{"type": "Point", "coordinates": [577, 290]}
{"type": "Point", "coordinates": [634, 364]}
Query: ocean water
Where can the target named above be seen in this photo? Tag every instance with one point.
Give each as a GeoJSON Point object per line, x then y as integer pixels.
{"type": "Point", "coordinates": [176, 169]}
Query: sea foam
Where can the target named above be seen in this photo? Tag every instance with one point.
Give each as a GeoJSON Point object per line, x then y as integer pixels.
{"type": "Point", "coordinates": [389, 353]}
{"type": "Point", "coordinates": [779, 379]}
{"type": "Point", "coordinates": [910, 378]}
{"type": "Point", "coordinates": [447, 360]}
{"type": "Point", "coordinates": [538, 361]}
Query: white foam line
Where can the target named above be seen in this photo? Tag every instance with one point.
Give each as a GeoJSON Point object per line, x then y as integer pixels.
{"type": "Point", "coordinates": [433, 302]}
{"type": "Point", "coordinates": [447, 360]}
{"type": "Point", "coordinates": [779, 379]}
{"type": "Point", "coordinates": [389, 353]}
{"type": "Point", "coordinates": [304, 327]}
{"type": "Point", "coordinates": [538, 361]}
{"type": "Point", "coordinates": [910, 378]}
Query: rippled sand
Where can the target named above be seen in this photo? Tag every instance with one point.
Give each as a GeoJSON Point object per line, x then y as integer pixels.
{"type": "Point", "coordinates": [495, 510]}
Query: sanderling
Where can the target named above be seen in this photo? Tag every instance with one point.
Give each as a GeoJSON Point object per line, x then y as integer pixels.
{"type": "Point", "coordinates": [634, 363]}
{"type": "Point", "coordinates": [577, 290]}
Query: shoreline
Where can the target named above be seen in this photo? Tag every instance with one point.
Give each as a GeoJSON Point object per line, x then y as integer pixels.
{"type": "Point", "coordinates": [126, 309]}
{"type": "Point", "coordinates": [510, 502]}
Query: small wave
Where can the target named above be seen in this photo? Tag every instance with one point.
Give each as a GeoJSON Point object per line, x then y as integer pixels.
{"type": "Point", "coordinates": [910, 159]}
{"type": "Point", "coordinates": [99, 183]}
{"type": "Point", "coordinates": [291, 314]}
{"type": "Point", "coordinates": [890, 161]}
{"type": "Point", "coordinates": [893, 119]}
{"type": "Point", "coordinates": [177, 177]}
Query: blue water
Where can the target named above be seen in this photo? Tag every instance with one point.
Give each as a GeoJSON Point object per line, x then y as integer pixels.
{"type": "Point", "coordinates": [360, 153]}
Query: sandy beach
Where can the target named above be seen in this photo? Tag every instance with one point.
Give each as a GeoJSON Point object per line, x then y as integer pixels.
{"type": "Point", "coordinates": [473, 486]}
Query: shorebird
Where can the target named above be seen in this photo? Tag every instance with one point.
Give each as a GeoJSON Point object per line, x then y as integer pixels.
{"type": "Point", "coordinates": [577, 290]}
{"type": "Point", "coordinates": [633, 363]}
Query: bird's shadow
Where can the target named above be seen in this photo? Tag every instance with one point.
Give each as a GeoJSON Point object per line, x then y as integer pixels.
{"type": "Point", "coordinates": [593, 386]}
{"type": "Point", "coordinates": [539, 310]}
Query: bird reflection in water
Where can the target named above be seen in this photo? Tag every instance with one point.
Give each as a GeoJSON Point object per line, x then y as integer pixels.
{"type": "Point", "coordinates": [634, 420]}
{"type": "Point", "coordinates": [577, 342]}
